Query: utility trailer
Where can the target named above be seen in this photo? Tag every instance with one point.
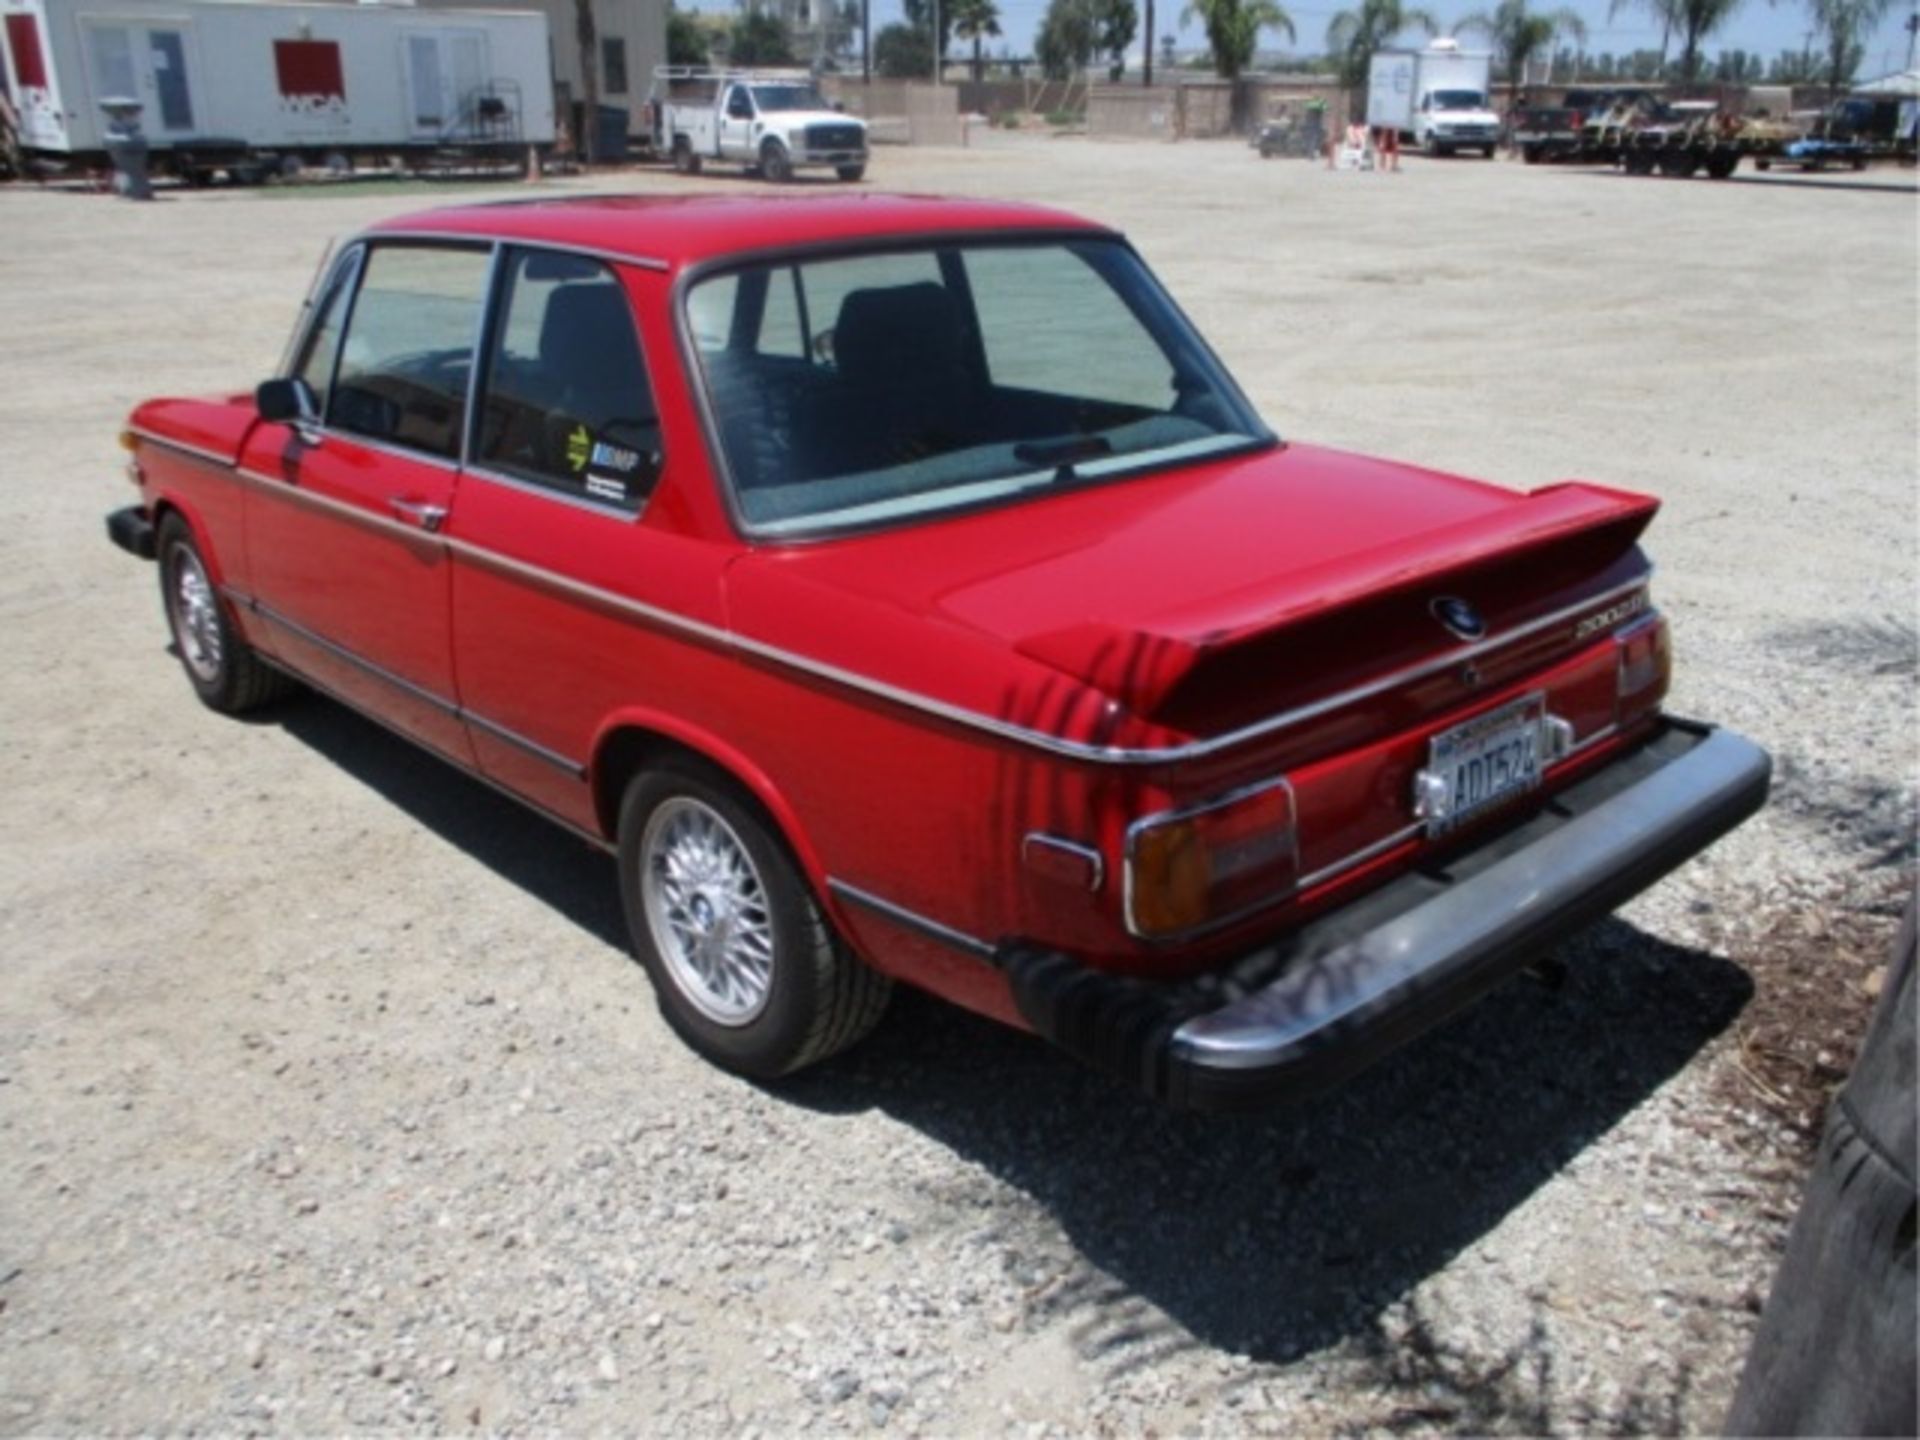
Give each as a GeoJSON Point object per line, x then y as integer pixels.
{"type": "Point", "coordinates": [244, 85]}
{"type": "Point", "coordinates": [1683, 139]}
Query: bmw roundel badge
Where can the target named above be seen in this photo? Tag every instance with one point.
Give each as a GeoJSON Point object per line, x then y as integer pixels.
{"type": "Point", "coordinates": [1459, 617]}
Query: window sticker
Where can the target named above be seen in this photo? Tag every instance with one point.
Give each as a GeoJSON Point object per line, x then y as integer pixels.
{"type": "Point", "coordinates": [584, 452]}
{"type": "Point", "coordinates": [606, 487]}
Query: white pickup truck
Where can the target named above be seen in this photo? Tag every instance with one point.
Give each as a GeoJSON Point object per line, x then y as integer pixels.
{"type": "Point", "coordinates": [771, 121]}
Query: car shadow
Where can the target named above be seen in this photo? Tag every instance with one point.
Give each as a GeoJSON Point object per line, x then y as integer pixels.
{"type": "Point", "coordinates": [1270, 1236]}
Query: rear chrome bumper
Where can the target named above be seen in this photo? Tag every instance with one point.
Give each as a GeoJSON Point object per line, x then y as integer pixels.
{"type": "Point", "coordinates": [1351, 986]}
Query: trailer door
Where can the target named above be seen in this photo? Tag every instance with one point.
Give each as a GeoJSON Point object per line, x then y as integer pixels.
{"type": "Point", "coordinates": [148, 63]}
{"type": "Point", "coordinates": [446, 76]}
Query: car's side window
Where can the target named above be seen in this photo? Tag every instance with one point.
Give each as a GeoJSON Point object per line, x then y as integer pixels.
{"type": "Point", "coordinates": [567, 402]}
{"type": "Point", "coordinates": [323, 340]}
{"type": "Point", "coordinates": [402, 377]}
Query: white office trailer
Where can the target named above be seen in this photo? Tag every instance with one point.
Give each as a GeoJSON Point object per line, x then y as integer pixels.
{"type": "Point", "coordinates": [629, 40]}
{"type": "Point", "coordinates": [233, 84]}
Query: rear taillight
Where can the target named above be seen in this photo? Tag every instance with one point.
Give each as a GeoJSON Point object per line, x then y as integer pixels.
{"type": "Point", "coordinates": [1645, 659]}
{"type": "Point", "coordinates": [1193, 869]}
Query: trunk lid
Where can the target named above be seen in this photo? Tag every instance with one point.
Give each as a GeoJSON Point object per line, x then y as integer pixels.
{"type": "Point", "coordinates": [1210, 597]}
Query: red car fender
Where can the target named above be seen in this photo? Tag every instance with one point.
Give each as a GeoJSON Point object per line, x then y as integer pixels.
{"type": "Point", "coordinates": [718, 752]}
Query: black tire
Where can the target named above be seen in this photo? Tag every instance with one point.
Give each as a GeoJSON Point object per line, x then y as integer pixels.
{"type": "Point", "coordinates": [684, 160]}
{"type": "Point", "coordinates": [817, 997]}
{"type": "Point", "coordinates": [1487, 153]}
{"type": "Point", "coordinates": [223, 669]}
{"type": "Point", "coordinates": [1720, 167]}
{"type": "Point", "coordinates": [775, 163]}
{"type": "Point", "coordinates": [851, 173]}
{"type": "Point", "coordinates": [1531, 154]}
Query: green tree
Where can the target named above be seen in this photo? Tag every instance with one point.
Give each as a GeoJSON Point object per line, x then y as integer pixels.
{"type": "Point", "coordinates": [1843, 25]}
{"type": "Point", "coordinates": [1354, 35]}
{"type": "Point", "coordinates": [1518, 34]}
{"type": "Point", "coordinates": [921, 15]}
{"type": "Point", "coordinates": [761, 37]}
{"type": "Point", "coordinates": [1065, 42]}
{"type": "Point", "coordinates": [902, 52]}
{"type": "Point", "coordinates": [1233, 29]}
{"type": "Point", "coordinates": [686, 40]}
{"type": "Point", "coordinates": [976, 20]}
{"type": "Point", "coordinates": [1695, 20]}
{"type": "Point", "coordinates": [1116, 22]}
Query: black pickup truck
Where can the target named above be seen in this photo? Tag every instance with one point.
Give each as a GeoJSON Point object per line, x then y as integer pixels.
{"type": "Point", "coordinates": [1552, 132]}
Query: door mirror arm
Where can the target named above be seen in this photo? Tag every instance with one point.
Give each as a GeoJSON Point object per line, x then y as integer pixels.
{"type": "Point", "coordinates": [290, 402]}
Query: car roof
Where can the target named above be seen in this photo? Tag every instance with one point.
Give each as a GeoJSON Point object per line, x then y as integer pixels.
{"type": "Point", "coordinates": [672, 231]}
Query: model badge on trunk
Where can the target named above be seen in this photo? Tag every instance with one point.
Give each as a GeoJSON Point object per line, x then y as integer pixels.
{"type": "Point", "coordinates": [1459, 617]}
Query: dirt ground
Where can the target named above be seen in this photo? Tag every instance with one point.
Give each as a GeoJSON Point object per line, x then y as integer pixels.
{"type": "Point", "coordinates": [329, 1097]}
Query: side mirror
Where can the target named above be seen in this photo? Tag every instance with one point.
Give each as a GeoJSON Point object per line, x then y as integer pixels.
{"type": "Point", "coordinates": [287, 402]}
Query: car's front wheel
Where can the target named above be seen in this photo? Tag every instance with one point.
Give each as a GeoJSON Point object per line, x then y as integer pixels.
{"type": "Point", "coordinates": [745, 965]}
{"type": "Point", "coordinates": [224, 670]}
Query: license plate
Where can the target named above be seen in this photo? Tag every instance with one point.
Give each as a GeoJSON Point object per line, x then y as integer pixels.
{"type": "Point", "coordinates": [1486, 762]}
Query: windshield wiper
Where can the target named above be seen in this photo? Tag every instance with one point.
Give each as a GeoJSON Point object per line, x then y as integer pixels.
{"type": "Point", "coordinates": [1062, 454]}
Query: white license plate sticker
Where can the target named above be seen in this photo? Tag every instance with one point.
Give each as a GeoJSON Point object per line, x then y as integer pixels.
{"type": "Point", "coordinates": [1489, 760]}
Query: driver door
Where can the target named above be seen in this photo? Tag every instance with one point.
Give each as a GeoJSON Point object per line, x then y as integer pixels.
{"type": "Point", "coordinates": [736, 124]}
{"type": "Point", "coordinates": [344, 516]}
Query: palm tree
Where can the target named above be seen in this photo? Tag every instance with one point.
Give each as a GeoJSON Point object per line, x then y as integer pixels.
{"type": "Point", "coordinates": [1694, 19]}
{"type": "Point", "coordinates": [1843, 22]}
{"type": "Point", "coordinates": [1518, 35]}
{"type": "Point", "coordinates": [975, 20]}
{"type": "Point", "coordinates": [1354, 35]}
{"type": "Point", "coordinates": [587, 143]}
{"type": "Point", "coordinates": [1233, 29]}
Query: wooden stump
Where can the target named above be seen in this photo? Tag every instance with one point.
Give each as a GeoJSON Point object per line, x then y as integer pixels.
{"type": "Point", "coordinates": [1835, 1352]}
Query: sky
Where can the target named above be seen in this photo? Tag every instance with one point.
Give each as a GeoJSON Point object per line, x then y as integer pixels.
{"type": "Point", "coordinates": [1757, 25]}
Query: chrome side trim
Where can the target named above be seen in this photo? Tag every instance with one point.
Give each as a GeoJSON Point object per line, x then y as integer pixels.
{"type": "Point", "coordinates": [372, 519]}
{"type": "Point", "coordinates": [1071, 847]}
{"type": "Point", "coordinates": [1354, 859]}
{"type": "Point", "coordinates": [616, 257]}
{"type": "Point", "coordinates": [225, 462]}
{"type": "Point", "coordinates": [1168, 817]}
{"type": "Point", "coordinates": [926, 704]}
{"type": "Point", "coordinates": [340, 652]}
{"type": "Point", "coordinates": [419, 692]}
{"type": "Point", "coordinates": [912, 920]}
{"type": "Point", "coordinates": [521, 742]}
{"type": "Point", "coordinates": [552, 492]}
{"type": "Point", "coordinates": [599, 842]}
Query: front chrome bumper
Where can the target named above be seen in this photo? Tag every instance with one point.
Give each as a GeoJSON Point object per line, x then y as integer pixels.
{"type": "Point", "coordinates": [1353, 985]}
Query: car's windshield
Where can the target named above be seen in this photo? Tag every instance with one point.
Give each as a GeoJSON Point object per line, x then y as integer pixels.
{"type": "Point", "coordinates": [870, 389]}
{"type": "Point", "coordinates": [1459, 100]}
{"type": "Point", "coordinates": [787, 97]}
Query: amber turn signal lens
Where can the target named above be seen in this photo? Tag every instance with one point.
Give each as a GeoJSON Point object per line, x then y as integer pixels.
{"type": "Point", "coordinates": [1198, 867]}
{"type": "Point", "coordinates": [1646, 661]}
{"type": "Point", "coordinates": [129, 441]}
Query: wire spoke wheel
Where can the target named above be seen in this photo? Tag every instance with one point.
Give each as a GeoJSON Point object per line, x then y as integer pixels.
{"type": "Point", "coordinates": [195, 612]}
{"type": "Point", "coordinates": [707, 908]}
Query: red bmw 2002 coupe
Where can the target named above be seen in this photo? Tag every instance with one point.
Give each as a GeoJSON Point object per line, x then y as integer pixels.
{"type": "Point", "coordinates": [904, 591]}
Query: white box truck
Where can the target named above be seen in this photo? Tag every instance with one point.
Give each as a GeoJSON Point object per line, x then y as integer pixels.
{"type": "Point", "coordinates": [238, 85]}
{"type": "Point", "coordinates": [773, 121]}
{"type": "Point", "coordinates": [1437, 98]}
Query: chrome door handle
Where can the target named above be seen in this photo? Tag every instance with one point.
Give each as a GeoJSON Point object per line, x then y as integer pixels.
{"type": "Point", "coordinates": [427, 517]}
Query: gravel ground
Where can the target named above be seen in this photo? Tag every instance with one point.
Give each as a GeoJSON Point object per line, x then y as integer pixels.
{"type": "Point", "coordinates": [330, 1098]}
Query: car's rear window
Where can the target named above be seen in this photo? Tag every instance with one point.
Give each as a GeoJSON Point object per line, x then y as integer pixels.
{"type": "Point", "coordinates": [873, 389]}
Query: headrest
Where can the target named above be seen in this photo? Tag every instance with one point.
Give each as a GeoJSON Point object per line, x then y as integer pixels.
{"type": "Point", "coordinates": [894, 332]}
